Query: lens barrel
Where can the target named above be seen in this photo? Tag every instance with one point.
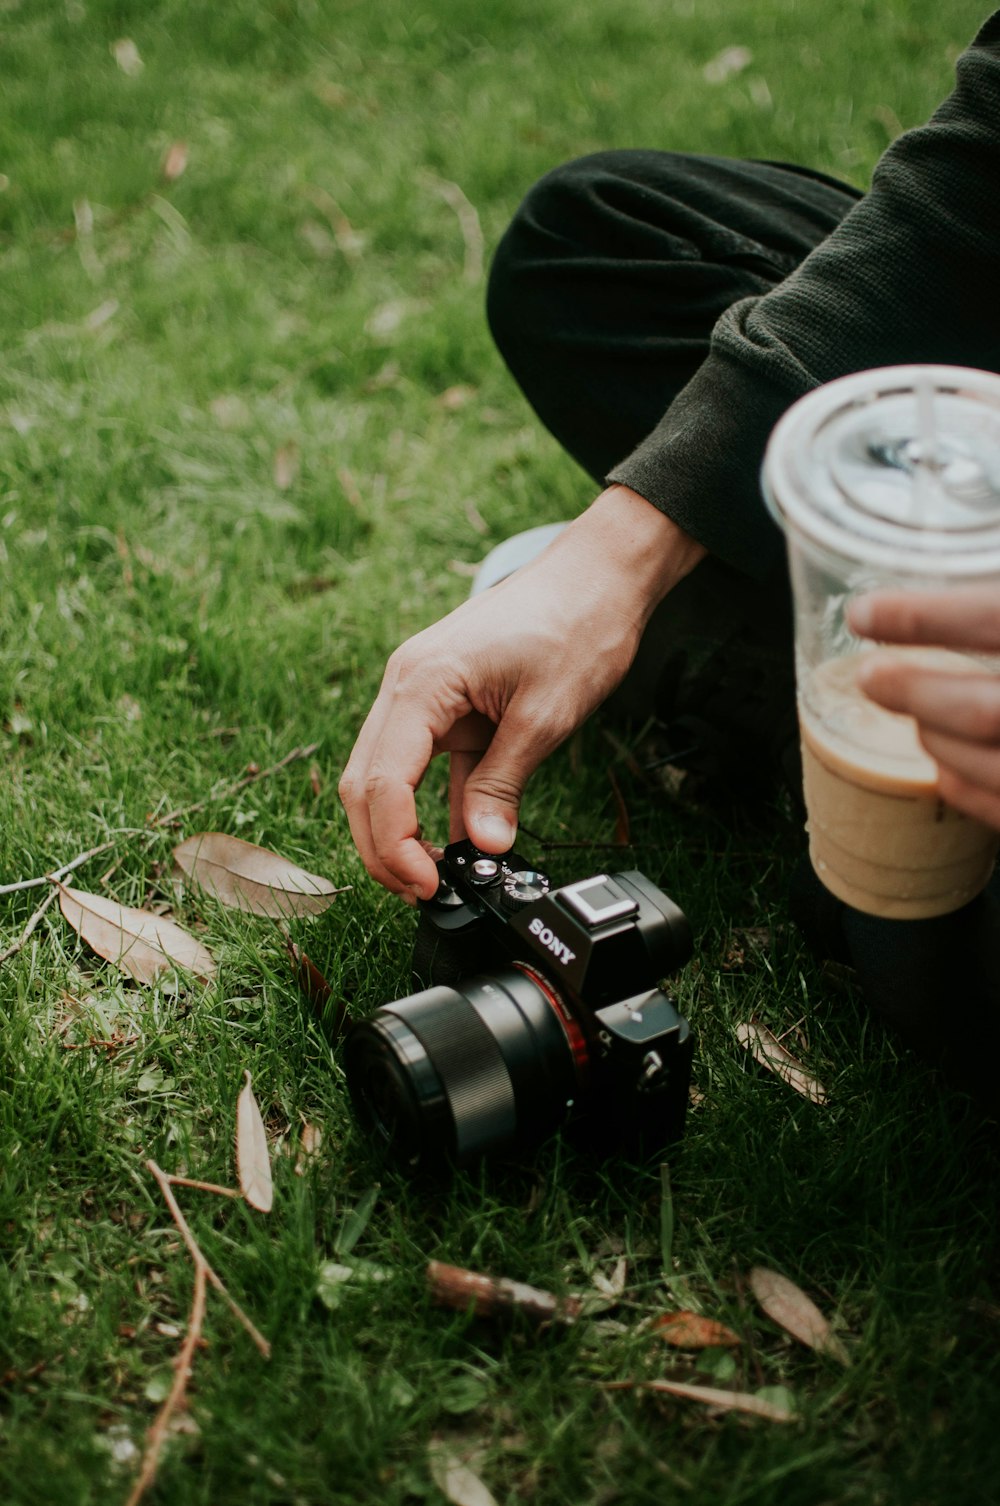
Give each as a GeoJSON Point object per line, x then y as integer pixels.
{"type": "Point", "coordinates": [454, 1073]}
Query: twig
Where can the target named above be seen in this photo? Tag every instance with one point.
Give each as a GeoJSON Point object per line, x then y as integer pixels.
{"type": "Point", "coordinates": [203, 1274]}
{"type": "Point", "coordinates": [164, 1180]}
{"type": "Point", "coordinates": [491, 1296]}
{"type": "Point", "coordinates": [25, 935]}
{"type": "Point", "coordinates": [172, 817]}
{"type": "Point", "coordinates": [174, 1400]}
{"type": "Point", "coordinates": [468, 220]}
{"type": "Point", "coordinates": [56, 875]}
{"type": "Point", "coordinates": [176, 1181]}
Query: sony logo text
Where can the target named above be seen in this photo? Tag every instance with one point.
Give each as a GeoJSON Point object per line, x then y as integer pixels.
{"type": "Point", "coordinates": [551, 940]}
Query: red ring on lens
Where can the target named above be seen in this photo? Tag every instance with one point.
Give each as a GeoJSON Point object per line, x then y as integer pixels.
{"type": "Point", "coordinates": [575, 1037]}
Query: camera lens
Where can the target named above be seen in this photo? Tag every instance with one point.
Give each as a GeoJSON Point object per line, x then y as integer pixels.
{"type": "Point", "coordinates": [452, 1074]}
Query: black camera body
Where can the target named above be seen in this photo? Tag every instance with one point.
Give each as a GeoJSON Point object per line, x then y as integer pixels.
{"type": "Point", "coordinates": [543, 1010]}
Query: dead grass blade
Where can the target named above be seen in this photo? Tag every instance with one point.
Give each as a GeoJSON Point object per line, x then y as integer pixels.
{"type": "Point", "coordinates": [787, 1305]}
{"type": "Point", "coordinates": [767, 1051]}
{"type": "Point", "coordinates": [253, 1158]}
{"type": "Point", "coordinates": [711, 1396]}
{"type": "Point", "coordinates": [253, 879]}
{"type": "Point", "coordinates": [140, 943]}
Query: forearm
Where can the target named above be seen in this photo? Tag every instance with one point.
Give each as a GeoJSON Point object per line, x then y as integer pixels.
{"type": "Point", "coordinates": [629, 542]}
{"type": "Point", "coordinates": [907, 276]}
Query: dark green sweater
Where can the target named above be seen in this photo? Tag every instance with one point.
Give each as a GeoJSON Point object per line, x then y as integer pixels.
{"type": "Point", "coordinates": [911, 274]}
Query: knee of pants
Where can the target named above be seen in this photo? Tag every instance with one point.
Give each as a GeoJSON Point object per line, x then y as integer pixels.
{"type": "Point", "coordinates": [585, 211]}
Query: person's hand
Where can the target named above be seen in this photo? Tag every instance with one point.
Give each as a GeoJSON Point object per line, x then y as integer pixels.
{"type": "Point", "coordinates": [504, 679]}
{"type": "Point", "coordinates": [957, 714]}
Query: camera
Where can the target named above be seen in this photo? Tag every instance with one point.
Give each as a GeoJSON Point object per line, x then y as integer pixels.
{"type": "Point", "coordinates": [543, 1011]}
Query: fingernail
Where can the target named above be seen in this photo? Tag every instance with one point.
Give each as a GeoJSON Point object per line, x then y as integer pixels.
{"type": "Point", "coordinates": [860, 616]}
{"type": "Point", "coordinates": [493, 831]}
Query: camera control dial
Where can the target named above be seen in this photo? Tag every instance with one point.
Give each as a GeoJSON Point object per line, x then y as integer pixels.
{"type": "Point", "coordinates": [523, 888]}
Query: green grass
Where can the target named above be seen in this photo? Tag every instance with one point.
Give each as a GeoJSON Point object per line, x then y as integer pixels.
{"type": "Point", "coordinates": [170, 615]}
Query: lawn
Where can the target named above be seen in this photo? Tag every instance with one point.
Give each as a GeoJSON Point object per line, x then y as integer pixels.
{"type": "Point", "coordinates": [252, 434]}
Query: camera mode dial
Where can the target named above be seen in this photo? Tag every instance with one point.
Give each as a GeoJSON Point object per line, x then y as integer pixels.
{"type": "Point", "coordinates": [523, 888]}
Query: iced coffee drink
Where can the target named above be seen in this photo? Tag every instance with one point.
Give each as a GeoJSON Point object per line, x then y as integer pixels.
{"type": "Point", "coordinates": [880, 837]}
{"type": "Point", "coordinates": [884, 478]}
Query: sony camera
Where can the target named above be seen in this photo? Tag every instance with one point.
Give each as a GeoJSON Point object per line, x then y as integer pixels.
{"type": "Point", "coordinates": [543, 1011]}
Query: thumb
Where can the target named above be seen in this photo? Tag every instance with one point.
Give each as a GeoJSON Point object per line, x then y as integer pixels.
{"type": "Point", "coordinates": [493, 791]}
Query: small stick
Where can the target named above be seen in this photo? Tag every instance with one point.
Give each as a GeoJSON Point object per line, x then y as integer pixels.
{"type": "Point", "coordinates": [194, 1250]}
{"type": "Point", "coordinates": [25, 935]}
{"type": "Point", "coordinates": [60, 873]}
{"type": "Point", "coordinates": [490, 1297]}
{"type": "Point", "coordinates": [56, 875]}
{"type": "Point", "coordinates": [157, 1434]}
{"type": "Point", "coordinates": [468, 220]}
{"type": "Point", "coordinates": [172, 817]}
{"type": "Point", "coordinates": [176, 1181]}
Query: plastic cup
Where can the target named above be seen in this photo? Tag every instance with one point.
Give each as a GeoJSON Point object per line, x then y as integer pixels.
{"type": "Point", "coordinates": [884, 478]}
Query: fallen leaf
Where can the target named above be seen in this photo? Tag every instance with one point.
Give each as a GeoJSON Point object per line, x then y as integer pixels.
{"type": "Point", "coordinates": [730, 60]}
{"type": "Point", "coordinates": [689, 1330]}
{"type": "Point", "coordinates": [140, 943]}
{"type": "Point", "coordinates": [612, 1286]}
{"type": "Point", "coordinates": [788, 1306]}
{"type": "Point", "coordinates": [254, 879]}
{"type": "Point", "coordinates": [767, 1050]}
{"type": "Point", "coordinates": [714, 1396]}
{"type": "Point", "coordinates": [333, 1276]}
{"type": "Point", "coordinates": [126, 55]}
{"type": "Point", "coordinates": [286, 466]}
{"type": "Point", "coordinates": [253, 1159]}
{"type": "Point", "coordinates": [455, 1480]}
{"type": "Point", "coordinates": [453, 398]}
{"type": "Point", "coordinates": [489, 1296]}
{"type": "Point", "coordinates": [175, 160]}
{"type": "Point", "coordinates": [310, 1143]}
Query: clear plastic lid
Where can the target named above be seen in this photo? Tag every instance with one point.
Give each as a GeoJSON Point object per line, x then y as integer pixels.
{"type": "Point", "coordinates": [898, 467]}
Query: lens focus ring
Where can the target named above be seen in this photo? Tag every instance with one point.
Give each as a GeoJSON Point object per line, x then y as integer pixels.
{"type": "Point", "coordinates": [470, 1066]}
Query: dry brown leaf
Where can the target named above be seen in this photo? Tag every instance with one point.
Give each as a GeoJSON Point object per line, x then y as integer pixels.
{"type": "Point", "coordinates": [728, 1401]}
{"type": "Point", "coordinates": [140, 943]}
{"type": "Point", "coordinates": [126, 55]}
{"type": "Point", "coordinates": [175, 160]}
{"type": "Point", "coordinates": [767, 1050]}
{"type": "Point", "coordinates": [789, 1307]}
{"type": "Point", "coordinates": [254, 879]}
{"type": "Point", "coordinates": [612, 1286]}
{"type": "Point", "coordinates": [310, 1144]}
{"type": "Point", "coordinates": [253, 1159]}
{"type": "Point", "coordinates": [286, 466]}
{"type": "Point", "coordinates": [689, 1330]}
{"type": "Point", "coordinates": [455, 1480]}
{"type": "Point", "coordinates": [730, 60]}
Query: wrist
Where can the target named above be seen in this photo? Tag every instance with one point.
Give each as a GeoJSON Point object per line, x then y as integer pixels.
{"type": "Point", "coordinates": [647, 545]}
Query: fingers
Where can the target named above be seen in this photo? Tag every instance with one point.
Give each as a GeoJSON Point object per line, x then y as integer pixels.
{"type": "Point", "coordinates": [460, 766]}
{"type": "Point", "coordinates": [982, 804]}
{"type": "Point", "coordinates": [493, 791]}
{"type": "Point", "coordinates": [958, 718]}
{"type": "Point", "coordinates": [375, 805]}
{"type": "Point", "coordinates": [962, 705]}
{"type": "Point", "coordinates": [964, 618]}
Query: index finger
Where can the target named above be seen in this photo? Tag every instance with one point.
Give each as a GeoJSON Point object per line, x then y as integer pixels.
{"type": "Point", "coordinates": [967, 617]}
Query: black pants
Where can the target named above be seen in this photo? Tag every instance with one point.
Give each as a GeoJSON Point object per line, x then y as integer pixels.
{"type": "Point", "coordinates": [602, 300]}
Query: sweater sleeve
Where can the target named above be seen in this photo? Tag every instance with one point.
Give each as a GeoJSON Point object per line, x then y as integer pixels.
{"type": "Point", "coordinates": [912, 273]}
